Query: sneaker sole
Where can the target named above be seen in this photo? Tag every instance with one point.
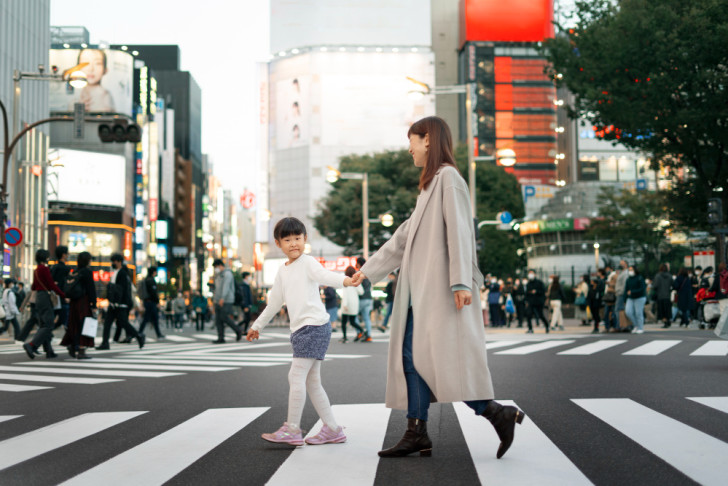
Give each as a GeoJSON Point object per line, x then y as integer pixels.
{"type": "Point", "coordinates": [275, 441]}
{"type": "Point", "coordinates": [333, 441]}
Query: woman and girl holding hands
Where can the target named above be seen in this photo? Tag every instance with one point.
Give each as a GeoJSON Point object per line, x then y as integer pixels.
{"type": "Point", "coordinates": [437, 342]}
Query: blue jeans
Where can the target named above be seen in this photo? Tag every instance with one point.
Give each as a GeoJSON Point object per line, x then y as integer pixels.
{"type": "Point", "coordinates": [418, 393]}
{"type": "Point", "coordinates": [636, 312]}
{"type": "Point", "coordinates": [390, 305]}
{"type": "Point", "coordinates": [365, 310]}
{"type": "Point", "coordinates": [611, 319]}
{"type": "Point", "coordinates": [333, 314]}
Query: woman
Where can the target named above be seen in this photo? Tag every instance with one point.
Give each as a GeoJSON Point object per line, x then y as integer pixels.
{"type": "Point", "coordinates": [350, 307]}
{"type": "Point", "coordinates": [555, 296]}
{"type": "Point", "coordinates": [199, 303]}
{"type": "Point", "coordinates": [437, 341]}
{"type": "Point", "coordinates": [635, 291]}
{"type": "Point", "coordinates": [662, 288]}
{"type": "Point", "coordinates": [83, 305]}
{"type": "Point", "coordinates": [580, 302]}
{"type": "Point", "coordinates": [41, 309]}
{"type": "Point", "coordinates": [684, 289]}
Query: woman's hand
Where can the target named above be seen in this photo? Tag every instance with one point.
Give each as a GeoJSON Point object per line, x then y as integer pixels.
{"type": "Point", "coordinates": [252, 334]}
{"type": "Point", "coordinates": [357, 279]}
{"type": "Point", "coordinates": [463, 298]}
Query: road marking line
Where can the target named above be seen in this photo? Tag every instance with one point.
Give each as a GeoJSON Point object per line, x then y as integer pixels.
{"type": "Point", "coordinates": [653, 348]}
{"type": "Point", "coordinates": [23, 447]}
{"type": "Point", "coordinates": [21, 388]}
{"type": "Point", "coordinates": [58, 379]}
{"type": "Point", "coordinates": [179, 339]}
{"type": "Point", "coordinates": [120, 365]}
{"type": "Point", "coordinates": [712, 348]}
{"type": "Point", "coordinates": [718, 403]}
{"type": "Point", "coordinates": [73, 371]}
{"type": "Point", "coordinates": [500, 344]}
{"type": "Point", "coordinates": [697, 455]}
{"type": "Point", "coordinates": [595, 347]}
{"type": "Point", "coordinates": [5, 418]}
{"type": "Point", "coordinates": [353, 463]}
{"type": "Point", "coordinates": [159, 459]}
{"type": "Point", "coordinates": [532, 459]}
{"type": "Point", "coordinates": [533, 348]}
{"type": "Point", "coordinates": [201, 363]}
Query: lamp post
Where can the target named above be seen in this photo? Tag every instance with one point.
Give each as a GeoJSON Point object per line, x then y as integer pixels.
{"type": "Point", "coordinates": [596, 256]}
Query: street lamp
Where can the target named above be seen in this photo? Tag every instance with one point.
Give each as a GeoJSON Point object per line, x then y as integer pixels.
{"type": "Point", "coordinates": [596, 256]}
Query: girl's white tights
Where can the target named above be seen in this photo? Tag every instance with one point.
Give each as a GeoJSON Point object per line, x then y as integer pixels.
{"type": "Point", "coordinates": [305, 375]}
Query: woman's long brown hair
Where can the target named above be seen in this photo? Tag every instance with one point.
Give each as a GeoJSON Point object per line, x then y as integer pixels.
{"type": "Point", "coordinates": [440, 150]}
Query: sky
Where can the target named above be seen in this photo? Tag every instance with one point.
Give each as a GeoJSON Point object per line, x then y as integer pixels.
{"type": "Point", "coordinates": [220, 42]}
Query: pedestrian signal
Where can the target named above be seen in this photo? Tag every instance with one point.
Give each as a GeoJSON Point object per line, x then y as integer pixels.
{"type": "Point", "coordinates": [120, 131]}
{"type": "Point", "coordinates": [715, 211]}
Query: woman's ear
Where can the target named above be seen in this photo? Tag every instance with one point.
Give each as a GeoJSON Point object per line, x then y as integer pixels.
{"type": "Point", "coordinates": [427, 140]}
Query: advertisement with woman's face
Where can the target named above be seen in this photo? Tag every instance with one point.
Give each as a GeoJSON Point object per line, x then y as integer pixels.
{"type": "Point", "coordinates": [109, 74]}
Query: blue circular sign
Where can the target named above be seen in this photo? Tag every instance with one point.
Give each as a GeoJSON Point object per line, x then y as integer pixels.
{"type": "Point", "coordinates": [13, 236]}
{"type": "Point", "coordinates": [505, 217]}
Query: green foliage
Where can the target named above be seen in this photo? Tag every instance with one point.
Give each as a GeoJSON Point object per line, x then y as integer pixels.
{"type": "Point", "coordinates": [634, 225]}
{"type": "Point", "coordinates": [393, 187]}
{"type": "Point", "coordinates": [657, 72]}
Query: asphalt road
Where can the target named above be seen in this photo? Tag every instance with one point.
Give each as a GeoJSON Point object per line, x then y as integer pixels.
{"type": "Point", "coordinates": [606, 409]}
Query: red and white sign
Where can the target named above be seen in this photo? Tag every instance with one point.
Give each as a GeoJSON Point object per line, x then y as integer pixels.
{"type": "Point", "coordinates": [13, 236]}
{"type": "Point", "coordinates": [247, 200]}
{"type": "Point", "coordinates": [153, 209]}
{"type": "Point", "coordinates": [338, 265]}
{"type": "Point", "coordinates": [700, 259]}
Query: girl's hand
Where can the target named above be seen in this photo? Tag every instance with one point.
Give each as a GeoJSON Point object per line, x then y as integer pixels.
{"type": "Point", "coordinates": [463, 298]}
{"type": "Point", "coordinates": [357, 279]}
{"type": "Point", "coordinates": [348, 282]}
{"type": "Point", "coordinates": [252, 334]}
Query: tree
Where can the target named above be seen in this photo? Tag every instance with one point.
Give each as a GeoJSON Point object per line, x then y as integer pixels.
{"type": "Point", "coordinates": [634, 224]}
{"type": "Point", "coordinates": [393, 181]}
{"type": "Point", "coordinates": [653, 76]}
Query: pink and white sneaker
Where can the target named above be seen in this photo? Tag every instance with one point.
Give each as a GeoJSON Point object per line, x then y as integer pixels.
{"type": "Point", "coordinates": [327, 436]}
{"type": "Point", "coordinates": [285, 435]}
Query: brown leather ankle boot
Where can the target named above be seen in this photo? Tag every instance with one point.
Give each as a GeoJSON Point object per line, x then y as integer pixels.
{"type": "Point", "coordinates": [504, 421]}
{"type": "Point", "coordinates": [414, 440]}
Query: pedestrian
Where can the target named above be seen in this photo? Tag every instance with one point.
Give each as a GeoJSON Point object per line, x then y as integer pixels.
{"type": "Point", "coordinates": [622, 275]}
{"type": "Point", "coordinates": [389, 290]}
{"type": "Point", "coordinates": [82, 295]}
{"type": "Point", "coordinates": [224, 298]}
{"type": "Point", "coordinates": [60, 272]}
{"type": "Point", "coordinates": [199, 304]}
{"type": "Point", "coordinates": [247, 300]}
{"type": "Point", "coordinates": [41, 306]}
{"type": "Point", "coordinates": [121, 301]}
{"type": "Point", "coordinates": [580, 301]}
{"type": "Point", "coordinates": [350, 307]}
{"type": "Point", "coordinates": [519, 300]}
{"type": "Point", "coordinates": [149, 295]}
{"type": "Point", "coordinates": [365, 305]}
{"type": "Point", "coordinates": [331, 303]}
{"type": "Point", "coordinates": [297, 284]}
{"type": "Point", "coordinates": [555, 297]}
{"type": "Point", "coordinates": [535, 299]}
{"type": "Point", "coordinates": [635, 292]}
{"type": "Point", "coordinates": [594, 299]}
{"type": "Point", "coordinates": [508, 308]}
{"type": "Point", "coordinates": [494, 298]}
{"type": "Point", "coordinates": [20, 292]}
{"type": "Point", "coordinates": [661, 289]}
{"type": "Point", "coordinates": [611, 323]}
{"type": "Point", "coordinates": [720, 287]}
{"type": "Point", "coordinates": [180, 310]}
{"type": "Point", "coordinates": [435, 252]}
{"type": "Point", "coordinates": [683, 286]}
{"type": "Point", "coordinates": [10, 306]}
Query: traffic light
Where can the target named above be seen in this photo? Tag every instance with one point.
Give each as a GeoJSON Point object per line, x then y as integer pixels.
{"type": "Point", "coordinates": [120, 131]}
{"type": "Point", "coordinates": [715, 211]}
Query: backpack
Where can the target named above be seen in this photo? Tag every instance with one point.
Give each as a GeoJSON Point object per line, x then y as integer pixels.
{"type": "Point", "coordinates": [73, 288]}
{"type": "Point", "coordinates": [142, 291]}
{"type": "Point", "coordinates": [724, 282]}
{"type": "Point", "coordinates": [239, 294]}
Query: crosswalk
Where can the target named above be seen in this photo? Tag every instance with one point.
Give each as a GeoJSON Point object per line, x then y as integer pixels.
{"type": "Point", "coordinates": [160, 456]}
{"type": "Point", "coordinates": [625, 347]}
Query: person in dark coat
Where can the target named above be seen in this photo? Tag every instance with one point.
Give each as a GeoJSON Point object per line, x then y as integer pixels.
{"type": "Point", "coordinates": [519, 299]}
{"type": "Point", "coordinates": [684, 289]}
{"type": "Point", "coordinates": [247, 301]}
{"type": "Point", "coordinates": [81, 307]}
{"type": "Point", "coordinates": [120, 303]}
{"type": "Point", "coordinates": [41, 311]}
{"type": "Point", "coordinates": [662, 287]}
{"type": "Point", "coordinates": [60, 272]}
{"type": "Point", "coordinates": [535, 299]}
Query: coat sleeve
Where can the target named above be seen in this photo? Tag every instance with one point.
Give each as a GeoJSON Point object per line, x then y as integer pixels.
{"type": "Point", "coordinates": [389, 256]}
{"type": "Point", "coordinates": [460, 240]}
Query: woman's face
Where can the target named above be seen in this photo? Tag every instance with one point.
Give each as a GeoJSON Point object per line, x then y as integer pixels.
{"type": "Point", "coordinates": [418, 148]}
{"type": "Point", "coordinates": [95, 69]}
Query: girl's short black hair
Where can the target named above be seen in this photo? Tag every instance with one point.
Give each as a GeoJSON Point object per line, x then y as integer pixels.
{"type": "Point", "coordinates": [350, 271]}
{"type": "Point", "coordinates": [84, 258]}
{"type": "Point", "coordinates": [42, 255]}
{"type": "Point", "coordinates": [287, 227]}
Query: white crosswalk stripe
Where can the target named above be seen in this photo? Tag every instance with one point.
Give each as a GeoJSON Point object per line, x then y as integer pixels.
{"type": "Point", "coordinates": [712, 348]}
{"type": "Point", "coordinates": [74, 371]}
{"type": "Point", "coordinates": [595, 347]}
{"type": "Point", "coordinates": [534, 348]}
{"type": "Point", "coordinates": [694, 453]}
{"type": "Point", "coordinates": [5, 418]}
{"type": "Point", "coordinates": [57, 379]}
{"type": "Point", "coordinates": [163, 457]}
{"type": "Point", "coordinates": [9, 387]}
{"type": "Point", "coordinates": [130, 366]}
{"type": "Point", "coordinates": [718, 403]}
{"type": "Point", "coordinates": [37, 442]}
{"type": "Point", "coordinates": [653, 348]}
{"type": "Point", "coordinates": [533, 458]}
{"type": "Point", "coordinates": [353, 463]}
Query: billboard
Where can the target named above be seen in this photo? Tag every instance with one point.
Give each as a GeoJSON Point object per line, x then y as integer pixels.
{"type": "Point", "coordinates": [512, 21]}
{"type": "Point", "coordinates": [88, 178]}
{"type": "Point", "coordinates": [292, 112]}
{"type": "Point", "coordinates": [110, 81]}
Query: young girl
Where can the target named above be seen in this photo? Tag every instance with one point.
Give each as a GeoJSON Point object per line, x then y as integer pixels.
{"type": "Point", "coordinates": [350, 305]}
{"type": "Point", "coordinates": [297, 284]}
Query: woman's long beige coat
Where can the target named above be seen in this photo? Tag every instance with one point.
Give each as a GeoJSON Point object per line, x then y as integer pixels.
{"type": "Point", "coordinates": [435, 250]}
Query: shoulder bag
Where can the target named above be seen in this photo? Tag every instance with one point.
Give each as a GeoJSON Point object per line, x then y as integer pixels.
{"type": "Point", "coordinates": [55, 301]}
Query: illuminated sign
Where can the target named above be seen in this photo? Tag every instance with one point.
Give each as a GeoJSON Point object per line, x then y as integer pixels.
{"type": "Point", "coordinates": [338, 265]}
{"type": "Point", "coordinates": [553, 225]}
{"type": "Point", "coordinates": [511, 21]}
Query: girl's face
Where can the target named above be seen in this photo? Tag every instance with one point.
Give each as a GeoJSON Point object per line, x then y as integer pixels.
{"type": "Point", "coordinates": [418, 148]}
{"type": "Point", "coordinates": [95, 69]}
{"type": "Point", "coordinates": [292, 246]}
